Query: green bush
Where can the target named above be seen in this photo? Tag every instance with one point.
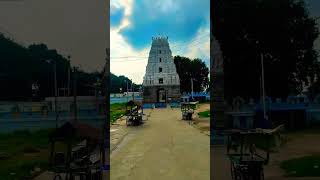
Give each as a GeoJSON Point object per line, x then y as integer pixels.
{"type": "Point", "coordinates": [116, 111]}
{"type": "Point", "coordinates": [204, 114]}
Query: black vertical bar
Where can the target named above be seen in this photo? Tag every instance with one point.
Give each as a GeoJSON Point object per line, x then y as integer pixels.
{"type": "Point", "coordinates": [211, 101]}
{"type": "Point", "coordinates": [106, 126]}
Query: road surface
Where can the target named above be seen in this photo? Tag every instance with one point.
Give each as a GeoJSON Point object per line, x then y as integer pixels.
{"type": "Point", "coordinates": [165, 147]}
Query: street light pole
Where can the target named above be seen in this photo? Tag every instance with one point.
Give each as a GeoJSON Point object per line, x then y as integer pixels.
{"type": "Point", "coordinates": [132, 91]}
{"type": "Point", "coordinates": [69, 72]}
{"type": "Point", "coordinates": [55, 93]}
{"type": "Point", "coordinates": [75, 94]}
{"type": "Point", "coordinates": [263, 88]}
{"type": "Point", "coordinates": [262, 84]}
{"type": "Point", "coordinates": [192, 89]}
{"type": "Point", "coordinates": [49, 61]}
{"type": "Point", "coordinates": [127, 91]}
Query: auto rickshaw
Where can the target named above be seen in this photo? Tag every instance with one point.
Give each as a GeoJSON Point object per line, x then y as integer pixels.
{"type": "Point", "coordinates": [248, 156]}
{"type": "Point", "coordinates": [133, 113]}
{"type": "Point", "coordinates": [187, 109]}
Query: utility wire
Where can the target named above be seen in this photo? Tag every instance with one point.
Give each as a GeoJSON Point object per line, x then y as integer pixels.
{"type": "Point", "coordinates": [195, 40]}
{"type": "Point", "coordinates": [137, 58]}
{"type": "Point", "coordinates": [191, 42]}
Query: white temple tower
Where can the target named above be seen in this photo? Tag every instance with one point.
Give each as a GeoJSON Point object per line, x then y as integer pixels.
{"type": "Point", "coordinates": [161, 82]}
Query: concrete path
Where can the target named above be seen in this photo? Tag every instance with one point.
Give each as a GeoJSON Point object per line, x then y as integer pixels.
{"type": "Point", "coordinates": [165, 147]}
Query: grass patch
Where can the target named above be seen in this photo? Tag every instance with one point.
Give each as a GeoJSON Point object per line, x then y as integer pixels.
{"type": "Point", "coordinates": [23, 151]}
{"type": "Point", "coordinates": [308, 166]}
{"type": "Point", "coordinates": [116, 111]}
{"type": "Point", "coordinates": [20, 167]}
{"type": "Point", "coordinates": [204, 114]}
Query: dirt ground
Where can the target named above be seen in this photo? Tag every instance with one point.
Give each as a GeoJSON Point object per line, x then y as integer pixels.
{"type": "Point", "coordinates": [203, 124]}
{"type": "Point", "coordinates": [164, 147]}
{"type": "Point", "coordinates": [298, 145]}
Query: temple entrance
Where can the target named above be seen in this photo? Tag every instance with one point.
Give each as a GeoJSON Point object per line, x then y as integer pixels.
{"type": "Point", "coordinates": [161, 96]}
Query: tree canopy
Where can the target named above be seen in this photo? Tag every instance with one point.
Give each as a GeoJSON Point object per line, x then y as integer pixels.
{"type": "Point", "coordinates": [120, 82]}
{"type": "Point", "coordinates": [195, 69]}
{"type": "Point", "coordinates": [23, 66]}
{"type": "Point", "coordinates": [281, 30]}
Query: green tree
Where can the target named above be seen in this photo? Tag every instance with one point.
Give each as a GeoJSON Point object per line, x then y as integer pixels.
{"type": "Point", "coordinates": [121, 81]}
{"type": "Point", "coordinates": [188, 69]}
{"type": "Point", "coordinates": [14, 74]}
{"type": "Point", "coordinates": [22, 66]}
{"type": "Point", "coordinates": [43, 72]}
{"type": "Point", "coordinates": [314, 88]}
{"type": "Point", "coordinates": [281, 30]}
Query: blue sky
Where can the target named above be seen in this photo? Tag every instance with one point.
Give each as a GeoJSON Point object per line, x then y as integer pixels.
{"type": "Point", "coordinates": [135, 22]}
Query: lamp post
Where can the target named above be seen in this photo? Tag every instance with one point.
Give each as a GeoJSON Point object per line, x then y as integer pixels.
{"type": "Point", "coordinates": [69, 72]}
{"type": "Point", "coordinates": [75, 93]}
{"type": "Point", "coordinates": [192, 89]}
{"type": "Point", "coordinates": [127, 90]}
{"type": "Point", "coordinates": [263, 88]}
{"type": "Point", "coordinates": [262, 84]}
{"type": "Point", "coordinates": [97, 87]}
{"type": "Point", "coordinates": [127, 87]}
{"type": "Point", "coordinates": [55, 88]}
{"type": "Point", "coordinates": [132, 90]}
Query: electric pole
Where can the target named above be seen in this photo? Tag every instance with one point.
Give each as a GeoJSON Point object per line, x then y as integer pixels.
{"type": "Point", "coordinates": [55, 93]}
{"type": "Point", "coordinates": [127, 87]}
{"type": "Point", "coordinates": [263, 88]}
{"type": "Point", "coordinates": [75, 93]}
{"type": "Point", "coordinates": [132, 85]}
{"type": "Point", "coordinates": [192, 88]}
{"type": "Point", "coordinates": [127, 91]}
{"type": "Point", "coordinates": [69, 74]}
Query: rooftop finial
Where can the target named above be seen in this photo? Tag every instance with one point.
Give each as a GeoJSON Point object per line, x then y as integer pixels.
{"type": "Point", "coordinates": [160, 38]}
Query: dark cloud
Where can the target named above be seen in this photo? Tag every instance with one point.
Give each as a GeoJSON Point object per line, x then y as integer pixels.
{"type": "Point", "coordinates": [79, 28]}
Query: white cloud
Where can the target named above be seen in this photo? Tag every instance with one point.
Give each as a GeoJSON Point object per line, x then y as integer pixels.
{"type": "Point", "coordinates": [131, 67]}
{"type": "Point", "coordinates": [200, 47]}
{"type": "Point", "coordinates": [132, 62]}
{"type": "Point", "coordinates": [158, 8]}
{"type": "Point", "coordinates": [127, 6]}
{"type": "Point", "coordinates": [197, 47]}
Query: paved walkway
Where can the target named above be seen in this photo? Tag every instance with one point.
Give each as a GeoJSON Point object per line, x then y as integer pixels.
{"type": "Point", "coordinates": [165, 147]}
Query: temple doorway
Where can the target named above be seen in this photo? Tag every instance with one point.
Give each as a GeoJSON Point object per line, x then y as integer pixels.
{"type": "Point", "coordinates": [162, 96]}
